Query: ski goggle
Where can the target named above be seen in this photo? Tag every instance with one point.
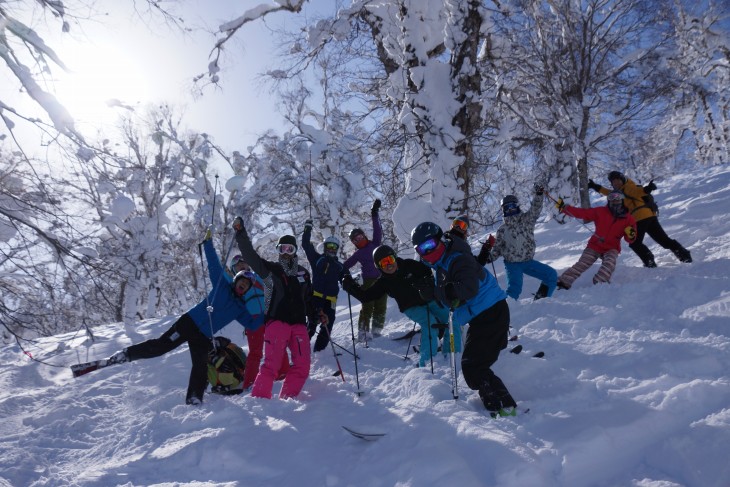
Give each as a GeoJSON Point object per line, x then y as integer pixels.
{"type": "Point", "coordinates": [287, 249]}
{"type": "Point", "coordinates": [386, 261]}
{"type": "Point", "coordinates": [615, 198]}
{"type": "Point", "coordinates": [426, 247]}
{"type": "Point", "coordinates": [460, 224]}
{"type": "Point", "coordinates": [331, 246]}
{"type": "Point", "coordinates": [510, 209]}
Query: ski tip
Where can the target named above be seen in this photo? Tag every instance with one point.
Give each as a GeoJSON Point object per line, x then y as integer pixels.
{"type": "Point", "coordinates": [516, 349]}
{"type": "Point", "coordinates": [362, 435]}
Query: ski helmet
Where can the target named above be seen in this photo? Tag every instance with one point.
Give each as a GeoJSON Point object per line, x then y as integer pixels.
{"type": "Point", "coordinates": [331, 245]}
{"type": "Point", "coordinates": [510, 205]}
{"type": "Point", "coordinates": [460, 225]}
{"type": "Point", "coordinates": [355, 232]}
{"type": "Point", "coordinates": [616, 203]}
{"type": "Point", "coordinates": [616, 175]}
{"type": "Point", "coordinates": [425, 231]}
{"type": "Point", "coordinates": [381, 252]}
{"type": "Point", "coordinates": [332, 240]}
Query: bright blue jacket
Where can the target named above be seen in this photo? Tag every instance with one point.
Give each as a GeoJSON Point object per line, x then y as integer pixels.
{"type": "Point", "coordinates": [248, 310]}
{"type": "Point", "coordinates": [475, 288]}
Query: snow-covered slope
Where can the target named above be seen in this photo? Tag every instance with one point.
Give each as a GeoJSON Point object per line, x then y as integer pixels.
{"type": "Point", "coordinates": [633, 391]}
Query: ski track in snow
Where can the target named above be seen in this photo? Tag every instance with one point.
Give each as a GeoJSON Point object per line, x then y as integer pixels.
{"type": "Point", "coordinates": [633, 391]}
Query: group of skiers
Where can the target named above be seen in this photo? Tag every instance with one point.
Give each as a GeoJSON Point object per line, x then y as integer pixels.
{"type": "Point", "coordinates": [281, 305]}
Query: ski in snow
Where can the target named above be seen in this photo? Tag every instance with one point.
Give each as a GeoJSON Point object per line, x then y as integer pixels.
{"type": "Point", "coordinates": [518, 349]}
{"type": "Point", "coordinates": [364, 436]}
{"type": "Point", "coordinates": [407, 335]}
{"type": "Point", "coordinates": [82, 369]}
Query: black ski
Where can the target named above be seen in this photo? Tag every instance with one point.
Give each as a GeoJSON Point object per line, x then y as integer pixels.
{"type": "Point", "coordinates": [82, 369]}
{"type": "Point", "coordinates": [408, 335]}
{"type": "Point", "coordinates": [518, 349]}
{"type": "Point", "coordinates": [364, 436]}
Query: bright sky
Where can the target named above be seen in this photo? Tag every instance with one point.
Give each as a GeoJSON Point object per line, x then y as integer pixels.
{"type": "Point", "coordinates": [123, 59]}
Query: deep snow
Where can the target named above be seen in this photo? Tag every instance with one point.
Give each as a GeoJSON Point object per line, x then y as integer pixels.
{"type": "Point", "coordinates": [633, 391]}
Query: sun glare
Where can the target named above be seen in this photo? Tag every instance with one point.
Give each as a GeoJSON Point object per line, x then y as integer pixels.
{"type": "Point", "coordinates": [101, 83]}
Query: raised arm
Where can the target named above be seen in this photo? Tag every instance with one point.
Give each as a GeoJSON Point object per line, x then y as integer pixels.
{"type": "Point", "coordinates": [248, 253]}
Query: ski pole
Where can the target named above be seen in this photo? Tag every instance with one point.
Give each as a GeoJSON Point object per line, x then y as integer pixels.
{"type": "Point", "coordinates": [354, 352]}
{"type": "Point", "coordinates": [454, 377]}
{"type": "Point", "coordinates": [430, 347]}
{"type": "Point", "coordinates": [332, 346]}
{"type": "Point", "coordinates": [208, 307]}
{"type": "Point", "coordinates": [342, 348]}
{"type": "Point", "coordinates": [408, 348]}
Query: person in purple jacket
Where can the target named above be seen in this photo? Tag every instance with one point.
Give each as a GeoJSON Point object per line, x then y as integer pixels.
{"type": "Point", "coordinates": [372, 312]}
{"type": "Point", "coordinates": [231, 298]}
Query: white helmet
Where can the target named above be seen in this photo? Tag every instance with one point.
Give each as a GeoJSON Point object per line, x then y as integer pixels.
{"type": "Point", "coordinates": [329, 242]}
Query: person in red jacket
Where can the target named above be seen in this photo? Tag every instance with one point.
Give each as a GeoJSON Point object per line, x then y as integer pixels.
{"type": "Point", "coordinates": [613, 222]}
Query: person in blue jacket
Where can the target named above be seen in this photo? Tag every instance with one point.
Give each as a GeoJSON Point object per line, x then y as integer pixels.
{"type": "Point", "coordinates": [327, 272]}
{"type": "Point", "coordinates": [473, 296]}
{"type": "Point", "coordinates": [231, 298]}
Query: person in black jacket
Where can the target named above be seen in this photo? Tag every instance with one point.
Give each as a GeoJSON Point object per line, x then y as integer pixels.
{"type": "Point", "coordinates": [327, 272]}
{"type": "Point", "coordinates": [287, 294]}
{"type": "Point", "coordinates": [410, 283]}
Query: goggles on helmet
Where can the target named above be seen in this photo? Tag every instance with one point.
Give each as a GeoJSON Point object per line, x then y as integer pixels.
{"type": "Point", "coordinates": [510, 209]}
{"type": "Point", "coordinates": [426, 247]}
{"type": "Point", "coordinates": [331, 246]}
{"type": "Point", "coordinates": [615, 198]}
{"type": "Point", "coordinates": [236, 259]}
{"type": "Point", "coordinates": [386, 261]}
{"type": "Point", "coordinates": [460, 224]}
{"type": "Point", "coordinates": [287, 249]}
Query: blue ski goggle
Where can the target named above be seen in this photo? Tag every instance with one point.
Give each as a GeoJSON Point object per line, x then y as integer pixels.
{"type": "Point", "coordinates": [510, 209]}
{"type": "Point", "coordinates": [426, 247]}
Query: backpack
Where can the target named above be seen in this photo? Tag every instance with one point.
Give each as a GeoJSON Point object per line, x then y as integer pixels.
{"type": "Point", "coordinates": [226, 365]}
{"type": "Point", "coordinates": [650, 203]}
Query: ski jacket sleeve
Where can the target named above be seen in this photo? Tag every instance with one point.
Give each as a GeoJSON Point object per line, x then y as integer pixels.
{"type": "Point", "coordinates": [536, 208]}
{"type": "Point", "coordinates": [370, 294]}
{"type": "Point", "coordinates": [312, 254]}
{"type": "Point", "coordinates": [377, 230]}
{"type": "Point", "coordinates": [215, 268]}
{"type": "Point", "coordinates": [250, 255]}
{"type": "Point", "coordinates": [582, 213]}
{"type": "Point", "coordinates": [463, 276]}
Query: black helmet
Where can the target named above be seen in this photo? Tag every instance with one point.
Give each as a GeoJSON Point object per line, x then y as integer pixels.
{"type": "Point", "coordinates": [355, 232]}
{"type": "Point", "coordinates": [510, 198]}
{"type": "Point", "coordinates": [382, 251]}
{"type": "Point", "coordinates": [287, 239]}
{"type": "Point", "coordinates": [510, 205]}
{"type": "Point", "coordinates": [616, 175]}
{"type": "Point", "coordinates": [425, 231]}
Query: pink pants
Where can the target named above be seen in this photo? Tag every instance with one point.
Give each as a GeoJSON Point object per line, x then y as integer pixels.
{"type": "Point", "coordinates": [255, 354]}
{"type": "Point", "coordinates": [277, 337]}
{"type": "Point", "coordinates": [587, 259]}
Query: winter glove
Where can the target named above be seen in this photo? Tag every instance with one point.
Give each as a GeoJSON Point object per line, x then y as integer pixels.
{"type": "Point", "coordinates": [375, 208]}
{"type": "Point", "coordinates": [592, 185]}
{"type": "Point", "coordinates": [237, 224]}
{"type": "Point", "coordinates": [488, 244]}
{"type": "Point", "coordinates": [650, 187]}
{"type": "Point", "coordinates": [425, 288]}
{"type": "Point", "coordinates": [451, 297]}
{"type": "Point", "coordinates": [560, 205]}
{"type": "Point", "coordinates": [348, 283]}
{"type": "Point", "coordinates": [630, 233]}
{"type": "Point", "coordinates": [208, 235]}
{"type": "Point", "coordinates": [220, 342]}
{"type": "Point", "coordinates": [308, 225]}
{"type": "Point", "coordinates": [539, 189]}
{"type": "Point", "coordinates": [322, 317]}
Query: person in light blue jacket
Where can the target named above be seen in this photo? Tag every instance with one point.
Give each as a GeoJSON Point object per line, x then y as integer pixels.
{"type": "Point", "coordinates": [231, 298]}
{"type": "Point", "coordinates": [473, 296]}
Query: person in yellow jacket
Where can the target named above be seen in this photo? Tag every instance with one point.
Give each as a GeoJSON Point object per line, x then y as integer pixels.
{"type": "Point", "coordinates": [644, 212]}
